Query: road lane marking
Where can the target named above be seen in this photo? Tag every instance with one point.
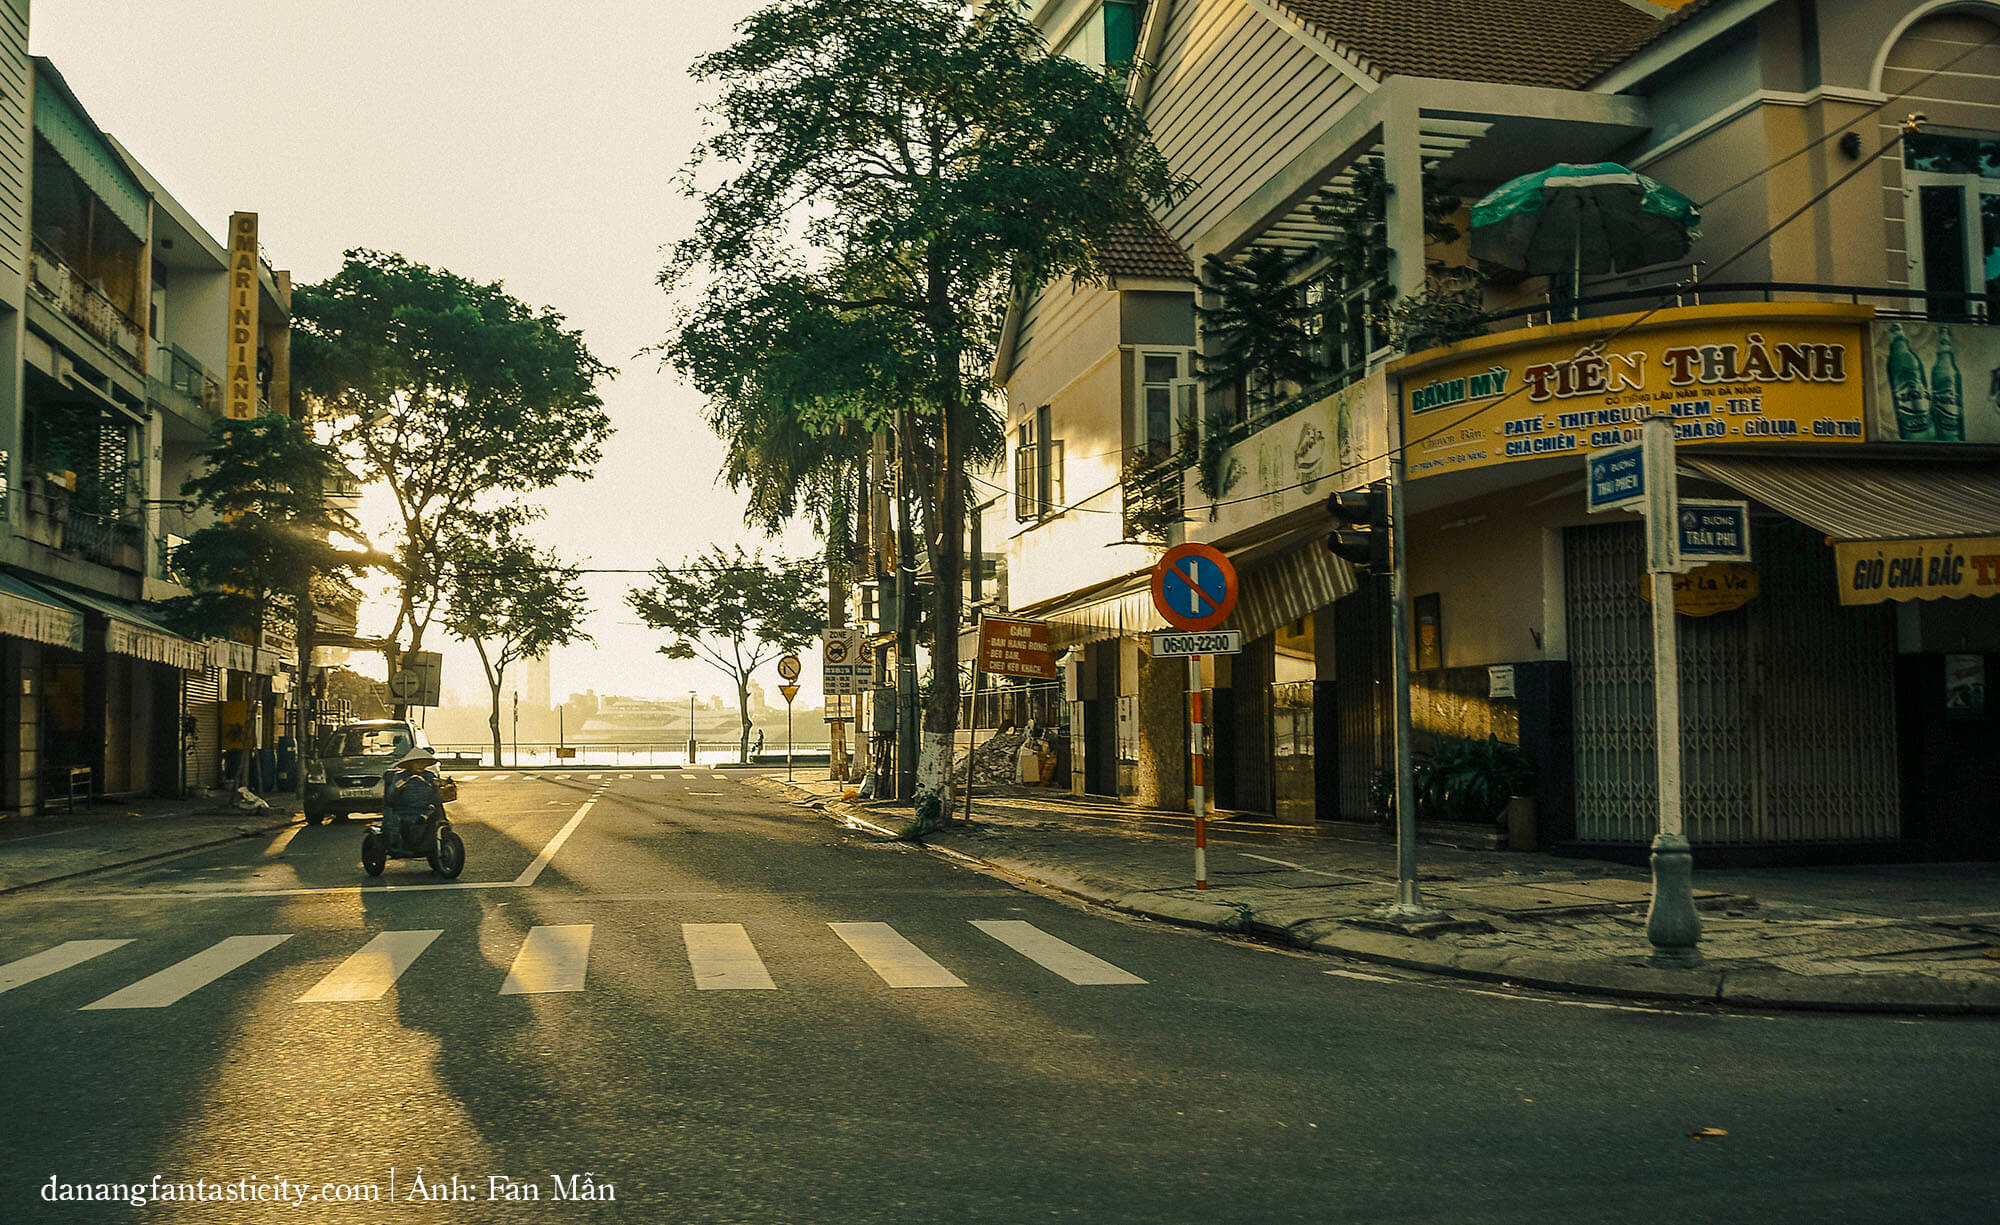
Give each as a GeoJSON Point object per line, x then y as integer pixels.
{"type": "Point", "coordinates": [723, 959]}
{"type": "Point", "coordinates": [624, 776]}
{"type": "Point", "coordinates": [658, 778]}
{"type": "Point", "coordinates": [204, 893]}
{"type": "Point", "coordinates": [1286, 863]}
{"type": "Point", "coordinates": [551, 959]}
{"type": "Point", "coordinates": [49, 961]}
{"type": "Point", "coordinates": [898, 962]}
{"type": "Point", "coordinates": [498, 778]}
{"type": "Point", "coordinates": [283, 840]}
{"type": "Point", "coordinates": [468, 778]}
{"type": "Point", "coordinates": [369, 974]}
{"type": "Point", "coordinates": [1053, 954]}
{"type": "Point", "coordinates": [184, 978]}
{"type": "Point", "coordinates": [704, 793]}
{"type": "Point", "coordinates": [688, 776]}
{"type": "Point", "coordinates": [593, 776]}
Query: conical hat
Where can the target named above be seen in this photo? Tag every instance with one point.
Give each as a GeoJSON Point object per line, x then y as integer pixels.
{"type": "Point", "coordinates": [418, 756]}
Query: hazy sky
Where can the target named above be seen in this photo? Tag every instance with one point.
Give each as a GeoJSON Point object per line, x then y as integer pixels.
{"type": "Point", "coordinates": [513, 140]}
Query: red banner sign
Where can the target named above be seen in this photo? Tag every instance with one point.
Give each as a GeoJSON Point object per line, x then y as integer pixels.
{"type": "Point", "coordinates": [1015, 648]}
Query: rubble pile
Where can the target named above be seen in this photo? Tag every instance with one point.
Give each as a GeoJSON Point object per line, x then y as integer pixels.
{"type": "Point", "coordinates": [993, 762]}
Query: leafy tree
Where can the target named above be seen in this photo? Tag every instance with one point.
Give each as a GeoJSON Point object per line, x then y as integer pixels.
{"type": "Point", "coordinates": [450, 393]}
{"type": "Point", "coordinates": [734, 612]}
{"type": "Point", "coordinates": [1257, 331]}
{"type": "Point", "coordinates": [275, 548]}
{"type": "Point", "coordinates": [932, 156]}
{"type": "Point", "coordinates": [510, 600]}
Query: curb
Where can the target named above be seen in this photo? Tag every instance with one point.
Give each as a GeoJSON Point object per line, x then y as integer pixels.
{"type": "Point", "coordinates": [1756, 988]}
{"type": "Point", "coordinates": [149, 857]}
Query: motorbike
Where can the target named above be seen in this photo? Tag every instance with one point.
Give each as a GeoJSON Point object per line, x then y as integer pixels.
{"type": "Point", "coordinates": [432, 839]}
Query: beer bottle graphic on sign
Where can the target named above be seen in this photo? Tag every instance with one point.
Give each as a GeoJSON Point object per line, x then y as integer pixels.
{"type": "Point", "coordinates": [1947, 392]}
{"type": "Point", "coordinates": [1907, 388]}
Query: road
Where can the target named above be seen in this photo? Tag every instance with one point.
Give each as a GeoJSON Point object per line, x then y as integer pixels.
{"type": "Point", "coordinates": [675, 989]}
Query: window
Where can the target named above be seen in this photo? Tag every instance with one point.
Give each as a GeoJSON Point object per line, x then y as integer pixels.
{"type": "Point", "coordinates": [1109, 37]}
{"type": "Point", "coordinates": [1166, 402]}
{"type": "Point", "coordinates": [1952, 211]}
{"type": "Point", "coordinates": [1038, 469]}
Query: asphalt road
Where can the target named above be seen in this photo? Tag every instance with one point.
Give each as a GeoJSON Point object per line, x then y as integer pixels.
{"type": "Point", "coordinates": [675, 989]}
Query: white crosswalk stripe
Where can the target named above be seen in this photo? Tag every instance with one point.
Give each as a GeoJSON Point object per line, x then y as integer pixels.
{"type": "Point", "coordinates": [369, 974]}
{"type": "Point", "coordinates": [624, 776]}
{"type": "Point", "coordinates": [499, 778]}
{"type": "Point", "coordinates": [51, 961]}
{"type": "Point", "coordinates": [184, 978]}
{"type": "Point", "coordinates": [688, 776]}
{"type": "Point", "coordinates": [898, 962]}
{"type": "Point", "coordinates": [658, 778]}
{"type": "Point", "coordinates": [1060, 956]}
{"type": "Point", "coordinates": [593, 776]}
{"type": "Point", "coordinates": [723, 959]}
{"type": "Point", "coordinates": [468, 778]}
{"type": "Point", "coordinates": [551, 959]}
{"type": "Point", "coordinates": [555, 958]}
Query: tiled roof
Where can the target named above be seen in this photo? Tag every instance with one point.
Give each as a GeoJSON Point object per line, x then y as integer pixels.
{"type": "Point", "coordinates": [1144, 250]}
{"type": "Point", "coordinates": [1673, 21]}
{"type": "Point", "coordinates": [1561, 43]}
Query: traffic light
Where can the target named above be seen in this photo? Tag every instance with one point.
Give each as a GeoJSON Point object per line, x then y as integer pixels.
{"type": "Point", "coordinates": [1361, 526]}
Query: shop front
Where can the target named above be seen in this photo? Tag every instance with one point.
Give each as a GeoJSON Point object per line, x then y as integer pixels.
{"type": "Point", "coordinates": [1827, 700]}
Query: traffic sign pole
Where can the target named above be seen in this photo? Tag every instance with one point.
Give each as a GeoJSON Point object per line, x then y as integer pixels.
{"type": "Point", "coordinates": [1672, 926]}
{"type": "Point", "coordinates": [1199, 787]}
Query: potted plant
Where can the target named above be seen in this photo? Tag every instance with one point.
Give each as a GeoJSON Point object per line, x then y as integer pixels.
{"type": "Point", "coordinates": [1475, 780]}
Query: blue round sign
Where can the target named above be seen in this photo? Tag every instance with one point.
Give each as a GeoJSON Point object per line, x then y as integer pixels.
{"type": "Point", "coordinates": [1194, 587]}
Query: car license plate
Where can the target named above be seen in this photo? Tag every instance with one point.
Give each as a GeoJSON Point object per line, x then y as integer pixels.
{"type": "Point", "coordinates": [355, 793]}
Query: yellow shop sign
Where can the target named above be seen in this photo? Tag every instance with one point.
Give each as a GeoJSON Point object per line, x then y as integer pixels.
{"type": "Point", "coordinates": [1704, 591]}
{"type": "Point", "coordinates": [1760, 373]}
{"type": "Point", "coordinates": [1872, 571]}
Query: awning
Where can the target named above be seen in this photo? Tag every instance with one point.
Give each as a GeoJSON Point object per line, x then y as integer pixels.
{"type": "Point", "coordinates": [77, 141]}
{"type": "Point", "coordinates": [1291, 587]}
{"type": "Point", "coordinates": [28, 612]}
{"type": "Point", "coordinates": [236, 657]}
{"type": "Point", "coordinates": [129, 631]}
{"type": "Point", "coordinates": [1109, 610]}
{"type": "Point", "coordinates": [1869, 500]}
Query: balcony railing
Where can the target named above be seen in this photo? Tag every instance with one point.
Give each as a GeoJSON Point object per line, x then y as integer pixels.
{"type": "Point", "coordinates": [1892, 302]}
{"type": "Point", "coordinates": [176, 371]}
{"type": "Point", "coordinates": [85, 305]}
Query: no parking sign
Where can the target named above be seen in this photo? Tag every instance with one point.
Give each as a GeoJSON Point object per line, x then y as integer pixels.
{"type": "Point", "coordinates": [1194, 587]}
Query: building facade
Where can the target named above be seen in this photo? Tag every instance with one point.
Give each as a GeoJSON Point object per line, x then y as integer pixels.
{"type": "Point", "coordinates": [118, 313]}
{"type": "Point", "coordinates": [1841, 248]}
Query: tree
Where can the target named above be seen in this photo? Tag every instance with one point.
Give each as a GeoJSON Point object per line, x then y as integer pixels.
{"type": "Point", "coordinates": [1257, 330]}
{"type": "Point", "coordinates": [448, 392]}
{"type": "Point", "coordinates": [933, 157]}
{"type": "Point", "coordinates": [275, 546]}
{"type": "Point", "coordinates": [510, 600]}
{"type": "Point", "coordinates": [733, 611]}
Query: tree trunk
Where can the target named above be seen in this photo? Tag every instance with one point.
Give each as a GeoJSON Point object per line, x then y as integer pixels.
{"type": "Point", "coordinates": [305, 634]}
{"type": "Point", "coordinates": [743, 716]}
{"type": "Point", "coordinates": [947, 567]}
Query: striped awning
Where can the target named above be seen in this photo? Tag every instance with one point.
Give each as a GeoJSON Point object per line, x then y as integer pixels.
{"type": "Point", "coordinates": [31, 613]}
{"type": "Point", "coordinates": [1291, 587]}
{"type": "Point", "coordinates": [1869, 500]}
{"type": "Point", "coordinates": [129, 631]}
{"type": "Point", "coordinates": [239, 657]}
{"type": "Point", "coordinates": [1109, 610]}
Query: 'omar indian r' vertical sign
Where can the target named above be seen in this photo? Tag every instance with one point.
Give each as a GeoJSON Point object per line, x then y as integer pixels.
{"type": "Point", "coordinates": [240, 401]}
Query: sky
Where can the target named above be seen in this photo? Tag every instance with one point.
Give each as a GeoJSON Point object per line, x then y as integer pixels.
{"type": "Point", "coordinates": [512, 140]}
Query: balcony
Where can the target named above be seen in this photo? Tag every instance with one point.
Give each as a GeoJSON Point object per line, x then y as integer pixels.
{"type": "Point", "coordinates": [184, 386]}
{"type": "Point", "coordinates": [54, 518]}
{"type": "Point", "coordinates": [82, 303]}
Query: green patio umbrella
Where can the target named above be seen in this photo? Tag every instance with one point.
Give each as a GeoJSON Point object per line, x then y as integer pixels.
{"type": "Point", "coordinates": [1594, 217]}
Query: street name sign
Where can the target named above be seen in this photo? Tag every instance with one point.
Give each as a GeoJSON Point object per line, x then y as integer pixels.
{"type": "Point", "coordinates": [1713, 531]}
{"type": "Point", "coordinates": [1214, 642]}
{"type": "Point", "coordinates": [1194, 587]}
{"type": "Point", "coordinates": [1616, 478]}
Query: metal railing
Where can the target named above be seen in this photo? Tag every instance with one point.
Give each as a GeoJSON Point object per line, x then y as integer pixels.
{"type": "Point", "coordinates": [629, 755]}
{"type": "Point", "coordinates": [1892, 302]}
{"type": "Point", "coordinates": [85, 305]}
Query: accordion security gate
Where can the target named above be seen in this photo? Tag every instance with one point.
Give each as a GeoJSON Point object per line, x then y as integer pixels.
{"type": "Point", "coordinates": [1787, 704]}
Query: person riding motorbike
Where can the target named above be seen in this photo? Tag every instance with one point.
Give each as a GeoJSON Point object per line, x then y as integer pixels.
{"type": "Point", "coordinates": [411, 790]}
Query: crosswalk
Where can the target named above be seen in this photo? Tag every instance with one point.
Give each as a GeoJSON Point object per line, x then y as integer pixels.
{"type": "Point", "coordinates": [555, 959]}
{"type": "Point", "coordinates": [687, 773]}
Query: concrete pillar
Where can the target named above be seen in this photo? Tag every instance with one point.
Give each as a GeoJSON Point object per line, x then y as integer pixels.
{"type": "Point", "coordinates": [1403, 163]}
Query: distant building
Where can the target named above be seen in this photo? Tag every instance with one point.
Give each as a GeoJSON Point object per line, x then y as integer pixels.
{"type": "Point", "coordinates": [535, 683]}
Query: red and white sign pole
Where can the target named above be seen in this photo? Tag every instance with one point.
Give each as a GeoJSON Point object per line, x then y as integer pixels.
{"type": "Point", "coordinates": [1195, 776]}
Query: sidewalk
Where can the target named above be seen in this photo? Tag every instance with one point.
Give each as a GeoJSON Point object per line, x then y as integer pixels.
{"type": "Point", "coordinates": [111, 833]}
{"type": "Point", "coordinates": [1901, 938]}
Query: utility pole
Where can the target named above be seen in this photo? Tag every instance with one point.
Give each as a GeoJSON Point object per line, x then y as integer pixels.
{"type": "Point", "coordinates": [1409, 904]}
{"type": "Point", "coordinates": [906, 618]}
